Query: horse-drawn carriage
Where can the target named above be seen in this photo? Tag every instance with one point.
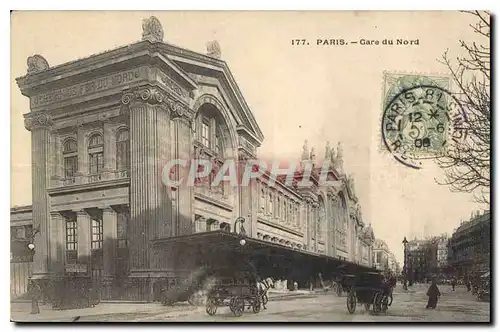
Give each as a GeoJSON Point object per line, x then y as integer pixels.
{"type": "Point", "coordinates": [370, 289]}
{"type": "Point", "coordinates": [237, 290]}
{"type": "Point", "coordinates": [344, 284]}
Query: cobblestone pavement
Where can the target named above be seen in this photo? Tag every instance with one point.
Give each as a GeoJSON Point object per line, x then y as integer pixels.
{"type": "Point", "coordinates": [407, 306]}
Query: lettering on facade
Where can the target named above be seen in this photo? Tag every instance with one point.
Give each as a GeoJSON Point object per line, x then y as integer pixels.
{"type": "Point", "coordinates": [172, 85]}
{"type": "Point", "coordinates": [82, 89]}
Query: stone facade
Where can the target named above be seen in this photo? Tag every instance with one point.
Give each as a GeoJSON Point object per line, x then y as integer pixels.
{"type": "Point", "coordinates": [103, 128]}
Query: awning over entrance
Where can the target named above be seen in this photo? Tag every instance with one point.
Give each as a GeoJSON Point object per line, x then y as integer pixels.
{"type": "Point", "coordinates": [268, 258]}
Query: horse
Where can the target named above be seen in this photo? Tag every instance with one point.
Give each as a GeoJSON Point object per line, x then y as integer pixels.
{"type": "Point", "coordinates": [262, 288]}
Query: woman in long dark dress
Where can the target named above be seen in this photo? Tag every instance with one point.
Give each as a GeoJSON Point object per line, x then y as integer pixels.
{"type": "Point", "coordinates": [433, 293]}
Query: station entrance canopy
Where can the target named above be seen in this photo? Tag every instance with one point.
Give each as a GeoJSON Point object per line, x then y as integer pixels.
{"type": "Point", "coordinates": [220, 248]}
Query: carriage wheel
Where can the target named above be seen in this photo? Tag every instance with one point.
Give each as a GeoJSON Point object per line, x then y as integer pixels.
{"type": "Point", "coordinates": [265, 299]}
{"type": "Point", "coordinates": [377, 303]}
{"type": "Point", "coordinates": [367, 306]}
{"type": "Point", "coordinates": [211, 307]}
{"type": "Point", "coordinates": [237, 306]}
{"type": "Point", "coordinates": [256, 306]}
{"type": "Point", "coordinates": [390, 300]}
{"type": "Point", "coordinates": [351, 302]}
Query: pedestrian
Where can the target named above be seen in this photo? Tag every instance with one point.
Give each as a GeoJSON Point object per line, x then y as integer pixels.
{"type": "Point", "coordinates": [433, 294]}
{"type": "Point", "coordinates": [453, 283]}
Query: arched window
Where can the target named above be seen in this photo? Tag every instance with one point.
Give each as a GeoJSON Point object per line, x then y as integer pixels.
{"type": "Point", "coordinates": [123, 149]}
{"type": "Point", "coordinates": [96, 154]}
{"type": "Point", "coordinates": [96, 141]}
{"type": "Point", "coordinates": [208, 127]}
{"type": "Point", "coordinates": [70, 155]}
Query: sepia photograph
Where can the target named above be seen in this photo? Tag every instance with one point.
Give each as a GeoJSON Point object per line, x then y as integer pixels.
{"type": "Point", "coordinates": [250, 166]}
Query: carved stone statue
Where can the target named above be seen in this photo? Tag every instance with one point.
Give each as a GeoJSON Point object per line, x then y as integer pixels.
{"type": "Point", "coordinates": [350, 183]}
{"type": "Point", "coordinates": [339, 162]}
{"type": "Point", "coordinates": [213, 49]}
{"type": "Point", "coordinates": [36, 64]}
{"type": "Point", "coordinates": [327, 151]}
{"type": "Point", "coordinates": [312, 156]}
{"type": "Point", "coordinates": [305, 151]}
{"type": "Point", "coordinates": [152, 30]}
{"type": "Point", "coordinates": [332, 156]}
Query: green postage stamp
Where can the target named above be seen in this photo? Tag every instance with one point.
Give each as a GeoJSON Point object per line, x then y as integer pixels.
{"type": "Point", "coordinates": [421, 117]}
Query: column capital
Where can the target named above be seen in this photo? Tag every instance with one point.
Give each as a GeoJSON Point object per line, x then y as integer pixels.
{"type": "Point", "coordinates": [82, 213]}
{"type": "Point", "coordinates": [108, 209]}
{"type": "Point", "coordinates": [37, 120]}
{"type": "Point", "coordinates": [147, 95]}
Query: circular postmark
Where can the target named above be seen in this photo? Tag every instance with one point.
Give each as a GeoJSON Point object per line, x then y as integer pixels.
{"type": "Point", "coordinates": [421, 122]}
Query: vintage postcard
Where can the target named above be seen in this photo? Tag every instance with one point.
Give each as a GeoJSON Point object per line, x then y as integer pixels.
{"type": "Point", "coordinates": [250, 166]}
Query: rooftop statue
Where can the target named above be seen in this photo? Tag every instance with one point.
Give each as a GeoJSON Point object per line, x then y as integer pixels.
{"type": "Point", "coordinates": [36, 64]}
{"type": "Point", "coordinates": [213, 49]}
{"type": "Point", "coordinates": [152, 30]}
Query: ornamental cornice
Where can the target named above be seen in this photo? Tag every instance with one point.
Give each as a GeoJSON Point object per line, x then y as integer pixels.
{"type": "Point", "coordinates": [37, 120]}
{"type": "Point", "coordinates": [156, 97]}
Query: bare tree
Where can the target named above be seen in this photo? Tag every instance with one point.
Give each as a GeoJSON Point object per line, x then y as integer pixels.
{"type": "Point", "coordinates": [467, 165]}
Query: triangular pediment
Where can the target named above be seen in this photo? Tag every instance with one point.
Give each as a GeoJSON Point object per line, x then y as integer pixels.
{"type": "Point", "coordinates": [203, 69]}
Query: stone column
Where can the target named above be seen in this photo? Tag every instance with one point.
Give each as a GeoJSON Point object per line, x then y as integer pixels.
{"type": "Point", "coordinates": [150, 199]}
{"type": "Point", "coordinates": [39, 125]}
{"type": "Point", "coordinates": [84, 230]}
{"type": "Point", "coordinates": [109, 150]}
{"type": "Point", "coordinates": [184, 151]}
{"type": "Point", "coordinates": [109, 230]}
{"type": "Point", "coordinates": [56, 160]}
{"type": "Point", "coordinates": [57, 242]}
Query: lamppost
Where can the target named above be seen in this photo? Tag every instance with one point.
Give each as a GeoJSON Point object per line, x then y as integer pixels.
{"type": "Point", "coordinates": [242, 232]}
{"type": "Point", "coordinates": [405, 265]}
{"type": "Point", "coordinates": [34, 289]}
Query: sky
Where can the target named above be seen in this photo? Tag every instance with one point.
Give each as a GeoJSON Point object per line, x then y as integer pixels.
{"type": "Point", "coordinates": [296, 92]}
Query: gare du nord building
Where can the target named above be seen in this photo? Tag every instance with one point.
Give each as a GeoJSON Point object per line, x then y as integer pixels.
{"type": "Point", "coordinates": [103, 127]}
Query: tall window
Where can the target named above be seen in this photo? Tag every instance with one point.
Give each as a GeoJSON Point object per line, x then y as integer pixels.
{"type": "Point", "coordinates": [70, 154]}
{"type": "Point", "coordinates": [97, 235]}
{"type": "Point", "coordinates": [96, 246]}
{"type": "Point", "coordinates": [71, 241]}
{"type": "Point", "coordinates": [123, 149]}
{"type": "Point", "coordinates": [96, 154]}
{"type": "Point", "coordinates": [217, 143]}
{"type": "Point", "coordinates": [205, 133]}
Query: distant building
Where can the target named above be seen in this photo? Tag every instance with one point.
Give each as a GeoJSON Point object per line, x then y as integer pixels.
{"type": "Point", "coordinates": [442, 251]}
{"type": "Point", "coordinates": [470, 246]}
{"type": "Point", "coordinates": [383, 258]}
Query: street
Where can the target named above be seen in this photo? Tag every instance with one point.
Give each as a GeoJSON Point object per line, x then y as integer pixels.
{"type": "Point", "coordinates": [407, 307]}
